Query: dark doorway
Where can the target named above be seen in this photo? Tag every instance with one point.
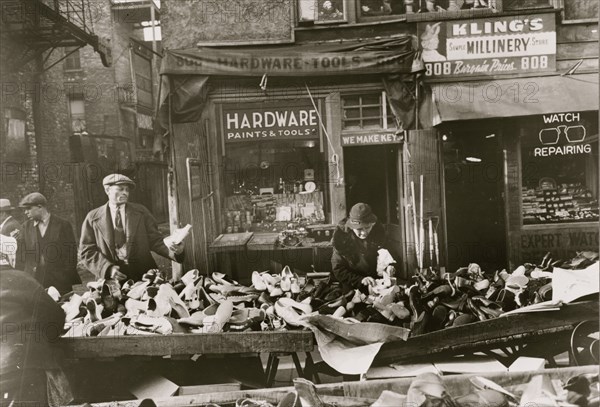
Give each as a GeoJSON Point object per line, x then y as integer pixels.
{"type": "Point", "coordinates": [475, 215]}
{"type": "Point", "coordinates": [371, 174]}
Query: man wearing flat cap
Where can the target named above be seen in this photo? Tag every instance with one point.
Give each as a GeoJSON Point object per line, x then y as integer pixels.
{"type": "Point", "coordinates": [8, 223]}
{"type": "Point", "coordinates": [46, 246]}
{"type": "Point", "coordinates": [117, 238]}
{"type": "Point", "coordinates": [356, 243]}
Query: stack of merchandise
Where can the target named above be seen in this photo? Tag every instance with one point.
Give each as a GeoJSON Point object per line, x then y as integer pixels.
{"type": "Point", "coordinates": [203, 304]}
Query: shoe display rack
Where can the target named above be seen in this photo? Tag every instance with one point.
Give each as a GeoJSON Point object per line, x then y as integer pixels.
{"type": "Point", "coordinates": [567, 203]}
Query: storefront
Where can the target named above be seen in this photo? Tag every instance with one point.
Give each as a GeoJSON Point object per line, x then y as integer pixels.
{"type": "Point", "coordinates": [520, 148]}
{"type": "Point", "coordinates": [277, 142]}
{"type": "Point", "coordinates": [528, 172]}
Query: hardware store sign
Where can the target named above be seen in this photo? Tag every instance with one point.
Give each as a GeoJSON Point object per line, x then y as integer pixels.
{"type": "Point", "coordinates": [263, 122]}
{"type": "Point", "coordinates": [486, 47]}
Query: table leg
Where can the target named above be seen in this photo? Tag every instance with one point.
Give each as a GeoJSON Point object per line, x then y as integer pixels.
{"type": "Point", "coordinates": [272, 369]}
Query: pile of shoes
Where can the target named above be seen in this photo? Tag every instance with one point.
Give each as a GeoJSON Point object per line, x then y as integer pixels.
{"type": "Point", "coordinates": [428, 390]}
{"type": "Point", "coordinates": [209, 304]}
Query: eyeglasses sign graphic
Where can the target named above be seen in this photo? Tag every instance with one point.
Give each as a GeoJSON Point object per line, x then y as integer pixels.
{"type": "Point", "coordinates": [551, 136]}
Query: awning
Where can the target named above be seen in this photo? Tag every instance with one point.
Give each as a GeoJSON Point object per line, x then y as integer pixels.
{"type": "Point", "coordinates": [345, 58]}
{"type": "Point", "coordinates": [515, 97]}
{"type": "Point", "coordinates": [185, 73]}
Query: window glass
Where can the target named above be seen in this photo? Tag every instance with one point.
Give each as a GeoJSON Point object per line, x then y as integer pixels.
{"type": "Point", "coordinates": [321, 10]}
{"type": "Point", "coordinates": [559, 154]}
{"type": "Point", "coordinates": [73, 59]}
{"type": "Point", "coordinates": [370, 8]}
{"type": "Point", "coordinates": [77, 114]}
{"type": "Point", "coordinates": [366, 112]}
{"type": "Point", "coordinates": [274, 171]}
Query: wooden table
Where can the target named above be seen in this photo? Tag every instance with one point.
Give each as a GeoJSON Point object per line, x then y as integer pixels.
{"type": "Point", "coordinates": [184, 346]}
{"type": "Point", "coordinates": [188, 344]}
{"type": "Point", "coordinates": [543, 334]}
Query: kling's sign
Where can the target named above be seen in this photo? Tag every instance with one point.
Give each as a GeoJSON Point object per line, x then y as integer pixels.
{"type": "Point", "coordinates": [485, 47]}
{"type": "Point", "coordinates": [269, 121]}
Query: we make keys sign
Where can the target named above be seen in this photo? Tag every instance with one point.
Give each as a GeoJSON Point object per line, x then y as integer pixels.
{"type": "Point", "coordinates": [282, 120]}
{"type": "Point", "coordinates": [489, 46]}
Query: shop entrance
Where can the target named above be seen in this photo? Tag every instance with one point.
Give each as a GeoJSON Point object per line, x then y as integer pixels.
{"type": "Point", "coordinates": [371, 174]}
{"type": "Point", "coordinates": [473, 181]}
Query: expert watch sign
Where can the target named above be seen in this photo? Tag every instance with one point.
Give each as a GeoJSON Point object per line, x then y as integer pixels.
{"type": "Point", "coordinates": [255, 122]}
{"type": "Point", "coordinates": [489, 46]}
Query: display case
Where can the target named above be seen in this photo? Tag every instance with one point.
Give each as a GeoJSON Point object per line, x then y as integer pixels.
{"type": "Point", "coordinates": [559, 156]}
{"type": "Point", "coordinates": [275, 170]}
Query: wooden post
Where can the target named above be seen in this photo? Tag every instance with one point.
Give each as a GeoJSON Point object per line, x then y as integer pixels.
{"type": "Point", "coordinates": [172, 191]}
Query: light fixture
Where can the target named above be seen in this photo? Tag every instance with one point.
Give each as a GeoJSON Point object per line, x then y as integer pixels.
{"type": "Point", "coordinates": [490, 135]}
{"type": "Point", "coordinates": [473, 159]}
{"type": "Point", "coordinates": [444, 137]}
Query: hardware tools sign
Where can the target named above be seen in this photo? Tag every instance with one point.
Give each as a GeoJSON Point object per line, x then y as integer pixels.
{"type": "Point", "coordinates": [485, 47]}
{"type": "Point", "coordinates": [264, 122]}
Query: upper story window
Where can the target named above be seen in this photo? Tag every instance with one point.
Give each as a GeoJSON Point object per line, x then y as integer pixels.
{"type": "Point", "coordinates": [72, 59]}
{"type": "Point", "coordinates": [366, 112]}
{"type": "Point", "coordinates": [77, 113]}
{"type": "Point", "coordinates": [370, 8]}
{"type": "Point", "coordinates": [321, 11]}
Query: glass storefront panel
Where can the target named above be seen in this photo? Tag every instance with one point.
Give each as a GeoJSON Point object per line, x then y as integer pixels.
{"type": "Point", "coordinates": [559, 155]}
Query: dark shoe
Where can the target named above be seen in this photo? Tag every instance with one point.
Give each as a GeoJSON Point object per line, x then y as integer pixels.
{"type": "Point", "coordinates": [475, 310]}
{"type": "Point", "coordinates": [456, 304]}
{"type": "Point", "coordinates": [438, 318]}
{"type": "Point", "coordinates": [464, 319]}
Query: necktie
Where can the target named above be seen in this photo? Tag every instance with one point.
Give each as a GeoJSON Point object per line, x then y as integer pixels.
{"type": "Point", "coordinates": [119, 231]}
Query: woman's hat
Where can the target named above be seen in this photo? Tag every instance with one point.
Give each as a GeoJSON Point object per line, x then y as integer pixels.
{"type": "Point", "coordinates": [361, 216]}
{"type": "Point", "coordinates": [5, 205]}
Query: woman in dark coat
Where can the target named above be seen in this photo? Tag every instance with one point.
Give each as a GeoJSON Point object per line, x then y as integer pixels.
{"type": "Point", "coordinates": [356, 241]}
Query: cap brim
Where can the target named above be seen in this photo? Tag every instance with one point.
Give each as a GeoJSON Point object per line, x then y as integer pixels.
{"type": "Point", "coordinates": [362, 224]}
{"type": "Point", "coordinates": [131, 184]}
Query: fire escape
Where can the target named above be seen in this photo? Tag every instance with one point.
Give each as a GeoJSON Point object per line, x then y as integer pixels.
{"type": "Point", "coordinates": [45, 25]}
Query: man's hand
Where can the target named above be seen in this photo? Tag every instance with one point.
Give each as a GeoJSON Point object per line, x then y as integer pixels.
{"type": "Point", "coordinates": [16, 234]}
{"type": "Point", "coordinates": [176, 248]}
{"type": "Point", "coordinates": [115, 273]}
{"type": "Point", "coordinates": [368, 281]}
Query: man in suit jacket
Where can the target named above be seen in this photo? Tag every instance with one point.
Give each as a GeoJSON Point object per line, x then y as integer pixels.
{"type": "Point", "coordinates": [117, 238]}
{"type": "Point", "coordinates": [7, 222]}
{"type": "Point", "coordinates": [46, 246]}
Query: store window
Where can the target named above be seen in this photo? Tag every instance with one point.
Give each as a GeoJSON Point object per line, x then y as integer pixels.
{"type": "Point", "coordinates": [366, 111]}
{"type": "Point", "coordinates": [72, 59]}
{"type": "Point", "coordinates": [274, 171]}
{"type": "Point", "coordinates": [321, 11]}
{"type": "Point", "coordinates": [559, 159]}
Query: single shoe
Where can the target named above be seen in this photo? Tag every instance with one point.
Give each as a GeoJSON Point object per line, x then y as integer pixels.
{"type": "Point", "coordinates": [222, 278]}
{"type": "Point", "coordinates": [399, 310]}
{"type": "Point", "coordinates": [289, 314]}
{"type": "Point", "coordinates": [94, 310]}
{"type": "Point", "coordinates": [148, 323]}
{"type": "Point", "coordinates": [190, 277]}
{"type": "Point", "coordinates": [71, 307]}
{"type": "Point", "coordinates": [135, 307]}
{"type": "Point", "coordinates": [53, 293]}
{"type": "Point", "coordinates": [295, 286]}
{"type": "Point", "coordinates": [138, 289]}
{"type": "Point", "coordinates": [216, 323]}
{"type": "Point", "coordinates": [299, 306]}
{"type": "Point", "coordinates": [258, 282]}
{"type": "Point", "coordinates": [483, 398]}
{"type": "Point", "coordinates": [340, 312]}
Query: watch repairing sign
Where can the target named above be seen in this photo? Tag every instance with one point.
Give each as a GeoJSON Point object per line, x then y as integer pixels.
{"type": "Point", "coordinates": [489, 46]}
{"type": "Point", "coordinates": [252, 122]}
